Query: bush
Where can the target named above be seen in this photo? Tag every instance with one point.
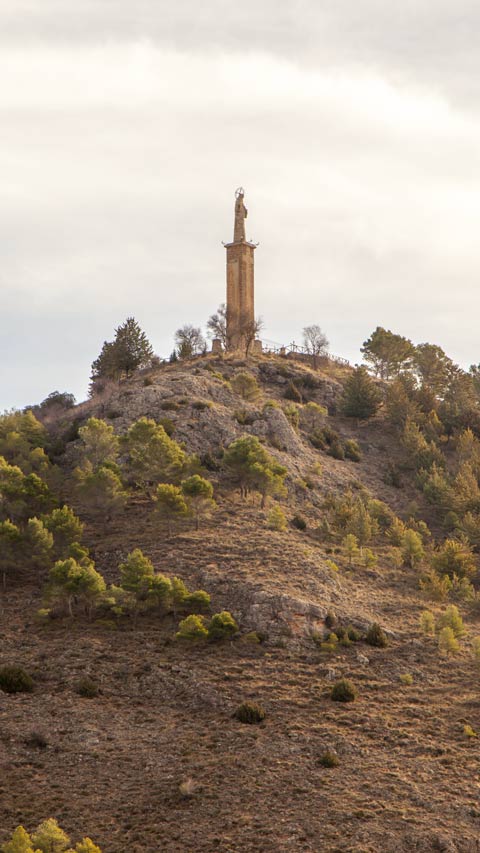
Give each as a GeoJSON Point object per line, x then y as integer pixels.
{"type": "Point", "coordinates": [375, 636]}
{"type": "Point", "coordinates": [352, 450]}
{"type": "Point", "coordinates": [192, 629]}
{"type": "Point", "coordinates": [330, 619]}
{"type": "Point", "coordinates": [87, 688]}
{"type": "Point", "coordinates": [246, 386]}
{"type": "Point", "coordinates": [353, 635]}
{"type": "Point", "coordinates": [451, 619]}
{"type": "Point", "coordinates": [455, 557]}
{"type": "Point", "coordinates": [336, 450]}
{"type": "Point", "coordinates": [14, 679]}
{"type": "Point", "coordinates": [276, 519]}
{"type": "Point", "coordinates": [250, 713]}
{"type": "Point", "coordinates": [36, 740]}
{"type": "Point", "coordinates": [292, 393]}
{"type": "Point", "coordinates": [343, 691]}
{"type": "Point", "coordinates": [222, 626]}
{"type": "Point", "coordinates": [196, 602]}
{"type": "Point", "coordinates": [427, 623]}
{"type": "Point", "coordinates": [299, 522]}
{"type": "Point", "coordinates": [329, 759]}
{"type": "Point", "coordinates": [406, 678]}
{"type": "Point", "coordinates": [447, 642]}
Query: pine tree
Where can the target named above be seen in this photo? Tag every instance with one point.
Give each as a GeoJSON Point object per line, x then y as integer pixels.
{"type": "Point", "coordinates": [152, 455]}
{"type": "Point", "coordinates": [199, 495]}
{"type": "Point", "coordinates": [412, 548]}
{"type": "Point", "coordinates": [136, 573]}
{"type": "Point", "coordinates": [99, 444]}
{"type": "Point", "coordinates": [361, 398]}
{"type": "Point", "coordinates": [387, 353]}
{"type": "Point", "coordinates": [129, 351]}
{"type": "Point", "coordinates": [170, 504]}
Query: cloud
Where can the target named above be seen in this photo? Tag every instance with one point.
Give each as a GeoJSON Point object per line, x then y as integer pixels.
{"type": "Point", "coordinates": [122, 145]}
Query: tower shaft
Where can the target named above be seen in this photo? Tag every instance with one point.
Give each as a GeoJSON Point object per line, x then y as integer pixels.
{"type": "Point", "coordinates": [240, 282]}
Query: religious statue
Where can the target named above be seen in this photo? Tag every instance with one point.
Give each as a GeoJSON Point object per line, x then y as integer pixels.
{"type": "Point", "coordinates": [241, 214]}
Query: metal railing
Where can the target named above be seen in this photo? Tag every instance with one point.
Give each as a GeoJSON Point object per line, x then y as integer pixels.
{"type": "Point", "coordinates": [293, 348]}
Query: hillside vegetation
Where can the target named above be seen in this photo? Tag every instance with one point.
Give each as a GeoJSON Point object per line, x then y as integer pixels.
{"type": "Point", "coordinates": [240, 609]}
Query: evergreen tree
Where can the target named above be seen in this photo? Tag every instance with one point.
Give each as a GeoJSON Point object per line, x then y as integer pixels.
{"type": "Point", "coordinates": [412, 548]}
{"type": "Point", "coordinates": [73, 583]}
{"type": "Point", "coordinates": [388, 353]}
{"type": "Point", "coordinates": [361, 398]}
{"type": "Point", "coordinates": [10, 549]}
{"type": "Point", "coordinates": [152, 456]}
{"type": "Point", "coordinates": [432, 366]}
{"type": "Point", "coordinates": [37, 544]}
{"type": "Point", "coordinates": [136, 573]}
{"type": "Point", "coordinates": [253, 469]}
{"type": "Point", "coordinates": [129, 351]}
{"type": "Point", "coordinates": [49, 838]}
{"type": "Point", "coordinates": [199, 495]}
{"type": "Point", "coordinates": [66, 528]}
{"type": "Point", "coordinates": [101, 490]}
{"type": "Point", "coordinates": [455, 558]}
{"type": "Point", "coordinates": [170, 504]}
{"type": "Point", "coordinates": [20, 842]}
{"type": "Point", "coordinates": [99, 444]}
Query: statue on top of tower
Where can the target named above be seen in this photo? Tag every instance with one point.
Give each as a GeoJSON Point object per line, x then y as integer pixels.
{"type": "Point", "coordinates": [241, 214]}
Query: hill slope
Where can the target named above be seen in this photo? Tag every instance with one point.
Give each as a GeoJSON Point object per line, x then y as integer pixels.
{"type": "Point", "coordinates": [113, 764]}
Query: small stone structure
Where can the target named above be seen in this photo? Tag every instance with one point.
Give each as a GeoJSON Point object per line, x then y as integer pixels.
{"type": "Point", "coordinates": [240, 283]}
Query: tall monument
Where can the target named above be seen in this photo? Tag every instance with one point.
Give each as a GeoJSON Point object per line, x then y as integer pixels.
{"type": "Point", "coordinates": [240, 282]}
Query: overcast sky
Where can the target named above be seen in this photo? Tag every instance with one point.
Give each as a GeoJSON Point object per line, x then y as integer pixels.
{"type": "Point", "coordinates": [125, 128]}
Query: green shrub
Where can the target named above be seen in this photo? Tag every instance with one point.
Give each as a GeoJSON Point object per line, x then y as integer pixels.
{"type": "Point", "coordinates": [196, 602]}
{"type": "Point", "coordinates": [169, 406]}
{"type": "Point", "coordinates": [246, 386]}
{"type": "Point", "coordinates": [201, 405]}
{"type": "Point", "coordinates": [192, 629]}
{"type": "Point", "coordinates": [343, 691]}
{"type": "Point", "coordinates": [330, 644]}
{"type": "Point", "coordinates": [299, 522]}
{"type": "Point", "coordinates": [253, 638]}
{"type": "Point", "coordinates": [353, 635]}
{"type": "Point", "coordinates": [329, 759]}
{"type": "Point", "coordinates": [427, 623]}
{"type": "Point", "coordinates": [406, 678]}
{"type": "Point", "coordinates": [292, 393]}
{"type": "Point", "coordinates": [276, 518]}
{"type": "Point", "coordinates": [222, 626]}
{"type": "Point", "coordinates": [451, 619]}
{"type": "Point", "coordinates": [375, 636]}
{"type": "Point", "coordinates": [455, 557]}
{"type": "Point", "coordinates": [447, 642]}
{"type": "Point", "coordinates": [250, 713]}
{"type": "Point", "coordinates": [336, 450]}
{"type": "Point", "coordinates": [330, 619]}
{"type": "Point", "coordinates": [87, 688]}
{"type": "Point", "coordinates": [352, 450]}
{"type": "Point", "coordinates": [434, 586]}
{"type": "Point", "coordinates": [14, 679]}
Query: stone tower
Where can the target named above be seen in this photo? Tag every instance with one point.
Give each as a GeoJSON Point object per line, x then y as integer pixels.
{"type": "Point", "coordinates": [240, 282]}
